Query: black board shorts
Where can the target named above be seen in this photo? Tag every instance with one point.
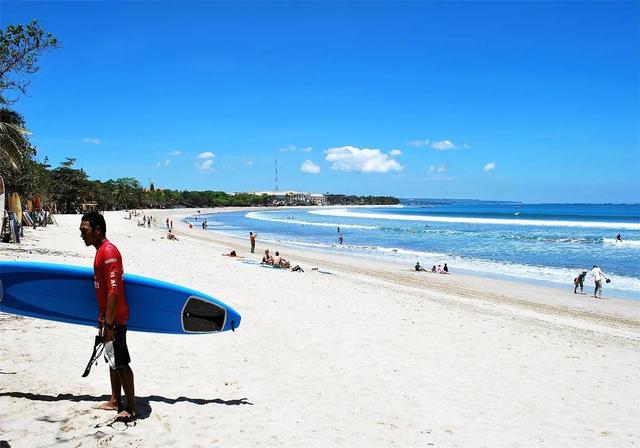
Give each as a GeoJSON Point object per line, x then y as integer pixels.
{"type": "Point", "coordinates": [120, 349]}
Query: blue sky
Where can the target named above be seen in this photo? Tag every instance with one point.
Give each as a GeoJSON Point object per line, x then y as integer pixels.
{"type": "Point", "coordinates": [537, 102]}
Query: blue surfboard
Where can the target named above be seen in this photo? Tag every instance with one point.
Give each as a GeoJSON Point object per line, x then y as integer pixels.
{"type": "Point", "coordinates": [66, 294]}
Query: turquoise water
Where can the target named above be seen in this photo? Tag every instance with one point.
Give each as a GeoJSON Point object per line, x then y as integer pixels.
{"type": "Point", "coordinates": [542, 243]}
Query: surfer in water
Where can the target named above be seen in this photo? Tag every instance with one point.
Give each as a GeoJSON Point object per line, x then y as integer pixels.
{"type": "Point", "coordinates": [113, 312]}
{"type": "Point", "coordinates": [618, 238]}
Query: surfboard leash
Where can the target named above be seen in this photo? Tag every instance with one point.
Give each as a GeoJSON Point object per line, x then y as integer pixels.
{"type": "Point", "coordinates": [98, 348]}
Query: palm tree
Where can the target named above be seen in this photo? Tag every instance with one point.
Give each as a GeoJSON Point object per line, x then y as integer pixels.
{"type": "Point", "coordinates": [14, 144]}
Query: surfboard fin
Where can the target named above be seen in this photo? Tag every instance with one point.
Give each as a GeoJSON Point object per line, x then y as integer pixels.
{"type": "Point", "coordinates": [98, 347]}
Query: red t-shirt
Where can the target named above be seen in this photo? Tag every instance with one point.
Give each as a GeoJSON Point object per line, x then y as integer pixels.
{"type": "Point", "coordinates": [108, 272]}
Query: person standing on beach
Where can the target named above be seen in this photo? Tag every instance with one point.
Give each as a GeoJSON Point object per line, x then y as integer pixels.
{"type": "Point", "coordinates": [579, 281]}
{"type": "Point", "coordinates": [252, 240]}
{"type": "Point", "coordinates": [598, 276]}
{"type": "Point", "coordinates": [113, 312]}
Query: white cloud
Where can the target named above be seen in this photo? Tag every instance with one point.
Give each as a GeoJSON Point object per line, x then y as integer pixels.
{"type": "Point", "coordinates": [206, 155]}
{"type": "Point", "coordinates": [163, 163]}
{"type": "Point", "coordinates": [248, 162]}
{"type": "Point", "coordinates": [489, 167]}
{"type": "Point", "coordinates": [437, 169]}
{"type": "Point", "coordinates": [293, 148]}
{"type": "Point", "coordinates": [206, 165]}
{"type": "Point", "coordinates": [91, 141]}
{"type": "Point", "coordinates": [443, 145]}
{"type": "Point", "coordinates": [174, 153]}
{"type": "Point", "coordinates": [418, 143]}
{"type": "Point", "coordinates": [309, 167]}
{"type": "Point", "coordinates": [350, 158]}
{"type": "Point", "coordinates": [395, 152]}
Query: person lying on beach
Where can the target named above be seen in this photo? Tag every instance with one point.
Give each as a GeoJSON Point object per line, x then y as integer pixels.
{"type": "Point", "coordinates": [232, 254]}
{"type": "Point", "coordinates": [267, 258]}
{"type": "Point", "coordinates": [171, 236]}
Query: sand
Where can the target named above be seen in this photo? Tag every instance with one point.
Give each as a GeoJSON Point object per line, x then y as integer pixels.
{"type": "Point", "coordinates": [364, 354]}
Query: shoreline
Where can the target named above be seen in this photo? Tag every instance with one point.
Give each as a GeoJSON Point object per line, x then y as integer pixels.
{"type": "Point", "coordinates": [390, 262]}
{"type": "Point", "coordinates": [355, 353]}
{"type": "Point", "coordinates": [537, 296]}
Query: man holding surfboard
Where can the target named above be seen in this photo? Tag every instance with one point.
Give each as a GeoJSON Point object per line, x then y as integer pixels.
{"type": "Point", "coordinates": [114, 312]}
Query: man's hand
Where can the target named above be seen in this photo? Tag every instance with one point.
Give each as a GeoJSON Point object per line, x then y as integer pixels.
{"type": "Point", "coordinates": [108, 334]}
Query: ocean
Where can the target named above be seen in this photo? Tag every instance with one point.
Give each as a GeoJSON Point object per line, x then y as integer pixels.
{"type": "Point", "coordinates": [532, 243]}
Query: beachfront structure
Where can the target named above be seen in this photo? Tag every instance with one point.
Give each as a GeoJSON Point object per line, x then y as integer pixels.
{"type": "Point", "coordinates": [294, 197]}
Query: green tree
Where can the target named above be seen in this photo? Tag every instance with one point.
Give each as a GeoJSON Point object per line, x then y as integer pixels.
{"type": "Point", "coordinates": [20, 47]}
{"type": "Point", "coordinates": [31, 180]}
{"type": "Point", "coordinates": [15, 148]}
{"type": "Point", "coordinates": [69, 187]}
{"type": "Point", "coordinates": [128, 192]}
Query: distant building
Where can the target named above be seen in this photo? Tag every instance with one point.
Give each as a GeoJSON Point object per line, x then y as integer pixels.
{"type": "Point", "coordinates": [294, 197]}
{"type": "Point", "coordinates": [89, 207]}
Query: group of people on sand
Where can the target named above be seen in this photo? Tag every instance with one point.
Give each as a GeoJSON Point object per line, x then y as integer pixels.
{"type": "Point", "coordinates": [439, 269]}
{"type": "Point", "coordinates": [276, 262]}
{"type": "Point", "coordinates": [598, 277]}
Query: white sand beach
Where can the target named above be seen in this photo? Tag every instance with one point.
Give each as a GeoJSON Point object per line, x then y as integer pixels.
{"type": "Point", "coordinates": [356, 353]}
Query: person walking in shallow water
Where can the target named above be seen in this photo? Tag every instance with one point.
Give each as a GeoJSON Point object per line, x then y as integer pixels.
{"type": "Point", "coordinates": [598, 276]}
{"type": "Point", "coordinates": [113, 312]}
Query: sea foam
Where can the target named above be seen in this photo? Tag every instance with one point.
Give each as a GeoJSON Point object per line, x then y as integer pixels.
{"type": "Point", "coordinates": [264, 217]}
{"type": "Point", "coordinates": [345, 213]}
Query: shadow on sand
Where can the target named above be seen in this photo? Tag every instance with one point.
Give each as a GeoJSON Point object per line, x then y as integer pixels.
{"type": "Point", "coordinates": [143, 404]}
